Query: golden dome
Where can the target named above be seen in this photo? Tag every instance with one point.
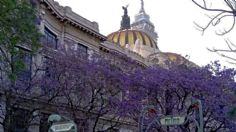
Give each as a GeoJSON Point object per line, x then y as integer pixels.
{"type": "Point", "coordinates": [129, 36]}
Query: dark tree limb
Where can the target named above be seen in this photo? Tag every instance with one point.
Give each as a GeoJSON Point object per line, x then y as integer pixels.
{"type": "Point", "coordinates": [221, 14]}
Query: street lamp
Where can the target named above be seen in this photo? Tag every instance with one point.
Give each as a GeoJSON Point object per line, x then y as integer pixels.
{"type": "Point", "coordinates": [143, 112]}
{"type": "Point", "coordinates": [199, 113]}
{"type": "Point", "coordinates": [196, 105]}
{"type": "Point", "coordinates": [156, 120]}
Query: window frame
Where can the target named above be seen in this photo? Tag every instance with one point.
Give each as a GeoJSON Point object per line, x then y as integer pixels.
{"type": "Point", "coordinates": [27, 59]}
{"type": "Point", "coordinates": [50, 39]}
{"type": "Point", "coordinates": [82, 49]}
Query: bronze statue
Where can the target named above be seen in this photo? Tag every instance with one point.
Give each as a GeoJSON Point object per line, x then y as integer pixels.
{"type": "Point", "coordinates": [125, 22]}
{"type": "Point", "coordinates": [125, 9]}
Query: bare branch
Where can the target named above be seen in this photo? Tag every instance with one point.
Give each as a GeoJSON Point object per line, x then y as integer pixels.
{"type": "Point", "coordinates": [221, 14]}
{"type": "Point", "coordinates": [230, 43]}
{"type": "Point", "coordinates": [230, 62]}
{"type": "Point", "coordinates": [223, 52]}
{"type": "Point", "coordinates": [219, 19]}
{"type": "Point", "coordinates": [230, 29]}
{"type": "Point", "coordinates": [212, 19]}
{"type": "Point", "coordinates": [226, 56]}
{"type": "Point", "coordinates": [209, 9]}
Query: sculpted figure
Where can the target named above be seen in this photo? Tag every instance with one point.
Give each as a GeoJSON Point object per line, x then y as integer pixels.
{"type": "Point", "coordinates": [125, 9]}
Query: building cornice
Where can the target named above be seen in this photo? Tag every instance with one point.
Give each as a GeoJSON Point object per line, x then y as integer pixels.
{"type": "Point", "coordinates": [65, 14]}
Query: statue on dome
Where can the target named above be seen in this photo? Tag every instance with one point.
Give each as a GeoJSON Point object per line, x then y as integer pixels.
{"type": "Point", "coordinates": [125, 9]}
{"type": "Point", "coordinates": [125, 22]}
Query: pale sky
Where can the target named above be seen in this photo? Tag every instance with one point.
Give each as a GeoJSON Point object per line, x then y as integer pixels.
{"type": "Point", "coordinates": [173, 20]}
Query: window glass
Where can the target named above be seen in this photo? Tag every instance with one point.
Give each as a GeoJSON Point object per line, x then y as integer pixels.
{"type": "Point", "coordinates": [48, 77]}
{"type": "Point", "coordinates": [46, 66]}
{"type": "Point", "coordinates": [24, 57]}
{"type": "Point", "coordinates": [82, 49]}
{"type": "Point", "coordinates": [50, 39]}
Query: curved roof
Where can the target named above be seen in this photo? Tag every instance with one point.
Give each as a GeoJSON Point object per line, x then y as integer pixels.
{"type": "Point", "coordinates": [129, 36]}
{"type": "Point", "coordinates": [166, 57]}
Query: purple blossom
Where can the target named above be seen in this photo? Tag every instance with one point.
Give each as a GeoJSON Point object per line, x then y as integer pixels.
{"type": "Point", "coordinates": [33, 3]}
{"type": "Point", "coordinates": [171, 91]}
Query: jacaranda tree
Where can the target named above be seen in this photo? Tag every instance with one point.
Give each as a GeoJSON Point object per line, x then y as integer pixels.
{"type": "Point", "coordinates": [90, 89]}
{"type": "Point", "coordinates": [157, 92]}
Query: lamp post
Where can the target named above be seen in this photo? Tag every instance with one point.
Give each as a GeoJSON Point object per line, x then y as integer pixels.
{"type": "Point", "coordinates": [200, 116]}
{"type": "Point", "coordinates": [144, 110]}
{"type": "Point", "coordinates": [199, 113]}
{"type": "Point", "coordinates": [154, 121]}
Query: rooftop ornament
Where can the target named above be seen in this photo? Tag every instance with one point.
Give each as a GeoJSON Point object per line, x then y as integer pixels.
{"type": "Point", "coordinates": [125, 22]}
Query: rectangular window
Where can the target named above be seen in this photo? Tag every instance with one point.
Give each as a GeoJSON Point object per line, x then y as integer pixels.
{"type": "Point", "coordinates": [48, 76]}
{"type": "Point", "coordinates": [83, 50]}
{"type": "Point", "coordinates": [46, 66]}
{"type": "Point", "coordinates": [50, 39]}
{"type": "Point", "coordinates": [24, 57]}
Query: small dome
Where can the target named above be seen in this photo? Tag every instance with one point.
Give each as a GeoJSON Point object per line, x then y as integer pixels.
{"type": "Point", "coordinates": [173, 57]}
{"type": "Point", "coordinates": [166, 58]}
{"type": "Point", "coordinates": [129, 36]}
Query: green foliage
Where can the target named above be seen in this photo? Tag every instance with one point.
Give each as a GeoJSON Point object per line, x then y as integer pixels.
{"type": "Point", "coordinates": [17, 28]}
{"type": "Point", "coordinates": [232, 113]}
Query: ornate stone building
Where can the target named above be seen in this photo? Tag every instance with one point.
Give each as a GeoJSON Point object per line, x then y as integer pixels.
{"type": "Point", "coordinates": [137, 40]}
{"type": "Point", "coordinates": [63, 28]}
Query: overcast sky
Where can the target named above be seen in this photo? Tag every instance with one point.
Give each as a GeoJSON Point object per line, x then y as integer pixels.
{"type": "Point", "coordinates": [173, 20]}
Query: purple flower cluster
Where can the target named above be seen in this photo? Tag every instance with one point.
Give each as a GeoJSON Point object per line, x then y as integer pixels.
{"type": "Point", "coordinates": [99, 85]}
{"type": "Point", "coordinates": [172, 90]}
